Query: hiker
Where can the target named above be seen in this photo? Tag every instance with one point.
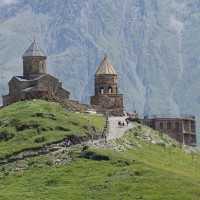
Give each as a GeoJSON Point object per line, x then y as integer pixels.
{"type": "Point", "coordinates": [127, 121]}
{"type": "Point", "coordinates": [65, 143]}
{"type": "Point", "coordinates": [105, 139]}
{"type": "Point", "coordinates": [68, 143]}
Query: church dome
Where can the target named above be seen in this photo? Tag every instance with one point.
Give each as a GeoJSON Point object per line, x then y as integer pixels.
{"type": "Point", "coordinates": [105, 68]}
{"type": "Point", "coordinates": [34, 51]}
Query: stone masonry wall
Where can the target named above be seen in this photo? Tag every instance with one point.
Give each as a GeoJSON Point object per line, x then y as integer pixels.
{"type": "Point", "coordinates": [181, 129]}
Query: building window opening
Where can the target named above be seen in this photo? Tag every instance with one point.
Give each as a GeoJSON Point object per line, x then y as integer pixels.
{"type": "Point", "coordinates": [186, 125]}
{"type": "Point", "coordinates": [177, 126]}
{"type": "Point", "coordinates": [161, 125]}
{"type": "Point", "coordinates": [193, 126]}
{"type": "Point", "coordinates": [102, 91]}
{"type": "Point", "coordinates": [169, 126]}
{"type": "Point", "coordinates": [110, 90]}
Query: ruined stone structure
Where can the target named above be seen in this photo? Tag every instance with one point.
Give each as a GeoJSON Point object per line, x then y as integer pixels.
{"type": "Point", "coordinates": [35, 82]}
{"type": "Point", "coordinates": [107, 99]}
{"type": "Point", "coordinates": [182, 129]}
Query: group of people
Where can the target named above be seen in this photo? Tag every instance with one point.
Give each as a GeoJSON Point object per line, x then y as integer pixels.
{"type": "Point", "coordinates": [67, 143]}
{"type": "Point", "coordinates": [123, 123]}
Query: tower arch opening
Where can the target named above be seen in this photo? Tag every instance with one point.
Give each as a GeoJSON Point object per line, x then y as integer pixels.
{"type": "Point", "coordinates": [102, 90]}
{"type": "Point", "coordinates": [110, 90]}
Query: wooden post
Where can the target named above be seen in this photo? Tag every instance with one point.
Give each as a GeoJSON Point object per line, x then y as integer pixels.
{"type": "Point", "coordinates": [107, 126]}
{"type": "Point", "coordinates": [183, 132]}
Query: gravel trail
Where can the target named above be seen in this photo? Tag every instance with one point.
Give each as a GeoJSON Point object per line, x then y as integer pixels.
{"type": "Point", "coordinates": [116, 131]}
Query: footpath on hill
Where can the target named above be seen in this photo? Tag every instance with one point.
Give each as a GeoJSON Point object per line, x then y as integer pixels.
{"type": "Point", "coordinates": [116, 131]}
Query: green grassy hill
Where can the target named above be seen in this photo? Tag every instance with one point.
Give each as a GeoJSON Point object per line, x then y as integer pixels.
{"type": "Point", "coordinates": [30, 124]}
{"type": "Point", "coordinates": [144, 165]}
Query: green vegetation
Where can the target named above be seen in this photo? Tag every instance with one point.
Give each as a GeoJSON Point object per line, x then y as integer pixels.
{"type": "Point", "coordinates": [142, 165]}
{"type": "Point", "coordinates": [149, 172]}
{"type": "Point", "coordinates": [35, 123]}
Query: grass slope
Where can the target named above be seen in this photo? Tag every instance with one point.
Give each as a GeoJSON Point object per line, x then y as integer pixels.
{"type": "Point", "coordinates": [129, 175]}
{"type": "Point", "coordinates": [35, 123]}
{"type": "Point", "coordinates": [136, 170]}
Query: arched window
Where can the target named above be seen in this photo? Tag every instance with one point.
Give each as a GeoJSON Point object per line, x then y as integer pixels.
{"type": "Point", "coordinates": [101, 90]}
{"type": "Point", "coordinates": [110, 90]}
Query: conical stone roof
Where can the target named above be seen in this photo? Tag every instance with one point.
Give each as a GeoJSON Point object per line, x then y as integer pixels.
{"type": "Point", "coordinates": [34, 51]}
{"type": "Point", "coordinates": [105, 68]}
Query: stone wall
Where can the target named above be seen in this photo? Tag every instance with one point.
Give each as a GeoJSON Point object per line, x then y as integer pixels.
{"type": "Point", "coordinates": [112, 104]}
{"type": "Point", "coordinates": [181, 129]}
{"type": "Point", "coordinates": [43, 87]}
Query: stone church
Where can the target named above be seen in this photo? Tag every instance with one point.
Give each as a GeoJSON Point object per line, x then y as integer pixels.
{"type": "Point", "coordinates": [35, 83]}
{"type": "Point", "coordinates": [107, 99]}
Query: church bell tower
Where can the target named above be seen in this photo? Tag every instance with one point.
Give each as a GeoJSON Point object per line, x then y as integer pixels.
{"type": "Point", "coordinates": [106, 98]}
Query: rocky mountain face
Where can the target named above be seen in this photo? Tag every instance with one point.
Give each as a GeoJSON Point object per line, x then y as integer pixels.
{"type": "Point", "coordinates": [153, 44]}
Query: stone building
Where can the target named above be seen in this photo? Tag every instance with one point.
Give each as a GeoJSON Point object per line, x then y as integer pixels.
{"type": "Point", "coordinates": [182, 129]}
{"type": "Point", "coordinates": [107, 99]}
{"type": "Point", "coordinates": [35, 82]}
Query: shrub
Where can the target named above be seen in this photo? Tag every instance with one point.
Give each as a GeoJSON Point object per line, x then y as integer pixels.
{"type": "Point", "coordinates": [40, 139]}
{"type": "Point", "coordinates": [122, 163]}
{"type": "Point", "coordinates": [94, 156]}
{"type": "Point", "coordinates": [86, 127]}
{"type": "Point", "coordinates": [138, 173]}
{"type": "Point", "coordinates": [135, 134]}
{"type": "Point", "coordinates": [51, 182]}
{"type": "Point", "coordinates": [31, 163]}
{"type": "Point", "coordinates": [45, 115]}
{"type": "Point", "coordinates": [22, 127]}
{"type": "Point", "coordinates": [75, 123]}
{"type": "Point", "coordinates": [49, 163]}
{"type": "Point", "coordinates": [5, 136]}
{"type": "Point", "coordinates": [61, 128]}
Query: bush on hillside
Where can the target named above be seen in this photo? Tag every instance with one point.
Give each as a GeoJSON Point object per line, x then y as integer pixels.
{"type": "Point", "coordinates": [45, 115]}
{"type": "Point", "coordinates": [40, 139]}
{"type": "Point", "coordinates": [5, 135]}
{"type": "Point", "coordinates": [61, 128]}
{"type": "Point", "coordinates": [94, 156]}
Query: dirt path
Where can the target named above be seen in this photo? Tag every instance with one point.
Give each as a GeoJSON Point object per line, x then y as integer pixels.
{"type": "Point", "coordinates": [116, 131]}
